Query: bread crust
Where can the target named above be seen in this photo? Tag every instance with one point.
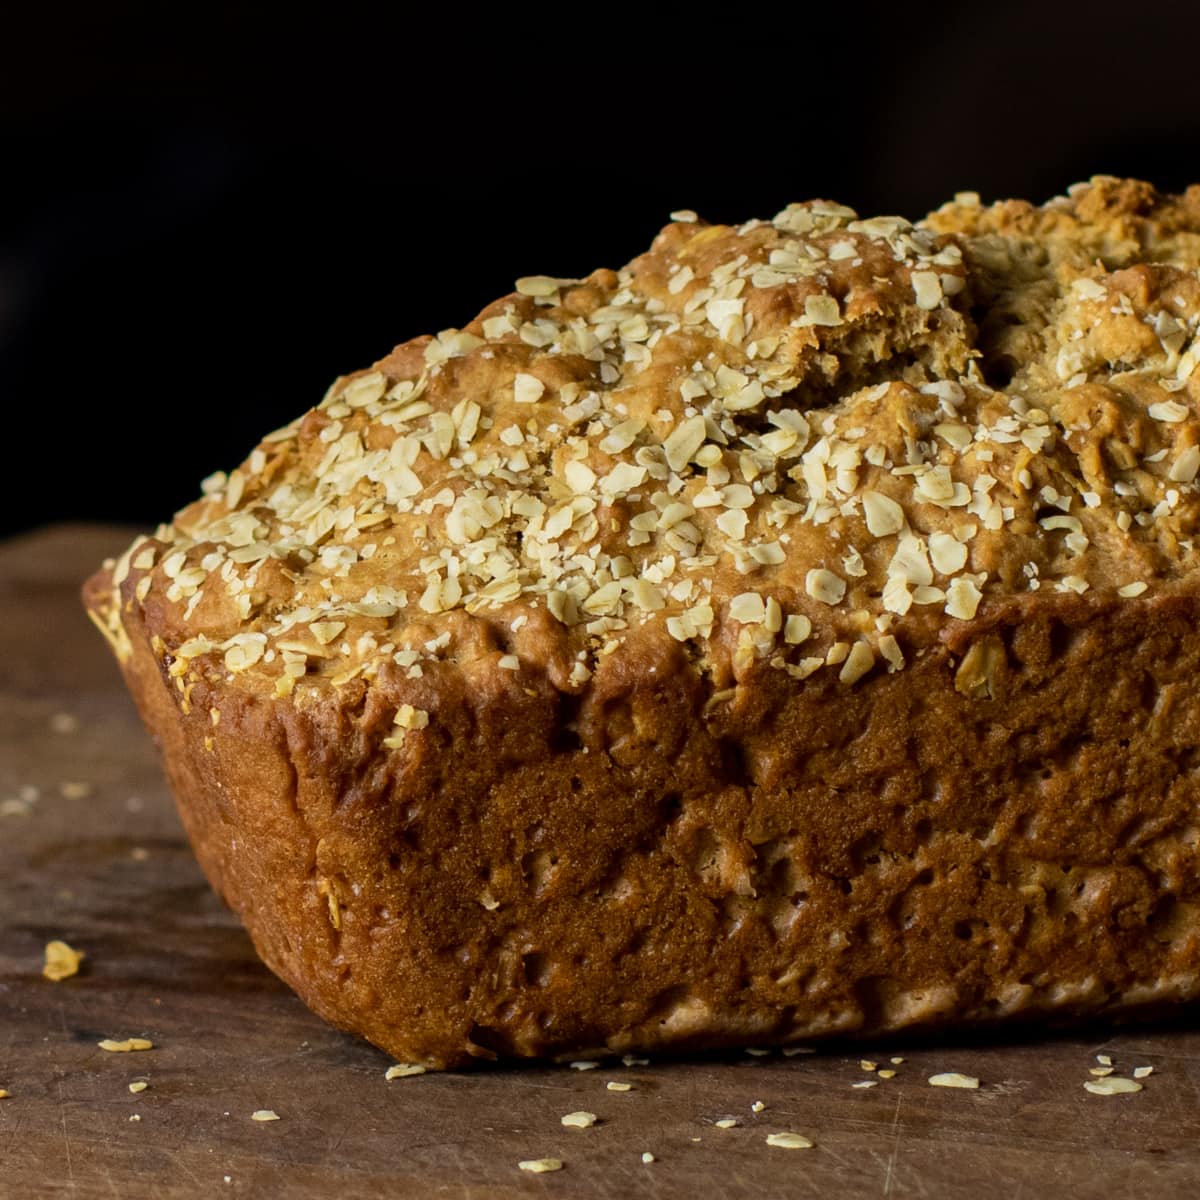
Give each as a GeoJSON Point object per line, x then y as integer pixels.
{"type": "Point", "coordinates": [506, 824]}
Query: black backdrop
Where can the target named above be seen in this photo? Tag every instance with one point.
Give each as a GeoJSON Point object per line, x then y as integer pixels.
{"type": "Point", "coordinates": [207, 212]}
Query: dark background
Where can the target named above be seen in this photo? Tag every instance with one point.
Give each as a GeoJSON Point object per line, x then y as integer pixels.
{"type": "Point", "coordinates": [207, 212]}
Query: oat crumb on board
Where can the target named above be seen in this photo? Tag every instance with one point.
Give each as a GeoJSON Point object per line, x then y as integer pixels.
{"type": "Point", "coordinates": [579, 1120]}
{"type": "Point", "coordinates": [539, 1166]}
{"type": "Point", "coordinates": [614, 1086]}
{"type": "Point", "coordinates": [61, 961]}
{"type": "Point", "coordinates": [647, 1157]}
{"type": "Point", "coordinates": [1114, 1085]}
{"type": "Point", "coordinates": [952, 1079]}
{"type": "Point", "coordinates": [403, 1071]}
{"type": "Point", "coordinates": [127, 1046]}
{"type": "Point", "coordinates": [139, 1086]}
{"type": "Point", "coordinates": [264, 1114]}
{"type": "Point", "coordinates": [789, 1141]}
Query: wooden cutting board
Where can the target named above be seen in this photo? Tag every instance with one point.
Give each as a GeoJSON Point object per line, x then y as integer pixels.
{"type": "Point", "coordinates": [91, 852]}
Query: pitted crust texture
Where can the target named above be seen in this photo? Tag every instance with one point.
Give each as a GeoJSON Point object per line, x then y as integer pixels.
{"type": "Point", "coordinates": [647, 546]}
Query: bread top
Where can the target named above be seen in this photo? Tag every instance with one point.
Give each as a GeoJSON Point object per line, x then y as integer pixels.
{"type": "Point", "coordinates": [809, 444]}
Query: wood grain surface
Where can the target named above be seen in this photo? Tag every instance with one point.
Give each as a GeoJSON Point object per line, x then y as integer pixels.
{"type": "Point", "coordinates": [91, 852]}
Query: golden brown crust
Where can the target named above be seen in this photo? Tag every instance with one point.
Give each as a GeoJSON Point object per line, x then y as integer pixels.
{"type": "Point", "coordinates": [789, 633]}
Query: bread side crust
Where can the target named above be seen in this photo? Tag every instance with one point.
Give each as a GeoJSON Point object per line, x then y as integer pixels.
{"type": "Point", "coordinates": [1005, 828]}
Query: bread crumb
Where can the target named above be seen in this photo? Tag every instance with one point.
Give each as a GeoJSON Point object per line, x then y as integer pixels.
{"type": "Point", "coordinates": [264, 1114]}
{"type": "Point", "coordinates": [403, 1071]}
{"type": "Point", "coordinates": [539, 1166]}
{"type": "Point", "coordinates": [789, 1141]}
{"type": "Point", "coordinates": [952, 1079]}
{"type": "Point", "coordinates": [579, 1120]}
{"type": "Point", "coordinates": [61, 961]}
{"type": "Point", "coordinates": [125, 1047]}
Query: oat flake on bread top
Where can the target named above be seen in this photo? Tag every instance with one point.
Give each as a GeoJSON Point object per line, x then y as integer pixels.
{"type": "Point", "coordinates": [803, 442]}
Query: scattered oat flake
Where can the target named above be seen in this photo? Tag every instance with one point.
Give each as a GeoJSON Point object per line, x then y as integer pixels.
{"type": "Point", "coordinates": [865, 1083]}
{"type": "Point", "coordinates": [1104, 1060]}
{"type": "Point", "coordinates": [1142, 1072]}
{"type": "Point", "coordinates": [647, 1157]}
{"type": "Point", "coordinates": [61, 961]}
{"type": "Point", "coordinates": [895, 1061]}
{"type": "Point", "coordinates": [757, 1051]}
{"type": "Point", "coordinates": [136, 1117]}
{"type": "Point", "coordinates": [1114, 1085]}
{"type": "Point", "coordinates": [584, 1065]}
{"type": "Point", "coordinates": [789, 1141]}
{"type": "Point", "coordinates": [952, 1079]}
{"type": "Point", "coordinates": [631, 1060]}
{"type": "Point", "coordinates": [125, 1047]}
{"type": "Point", "coordinates": [579, 1120]}
{"type": "Point", "coordinates": [867, 1064]}
{"type": "Point", "coordinates": [74, 789]}
{"type": "Point", "coordinates": [64, 722]}
{"type": "Point", "coordinates": [792, 1051]}
{"type": "Point", "coordinates": [614, 1086]}
{"type": "Point", "coordinates": [887, 1073]}
{"type": "Point", "coordinates": [725, 1123]}
{"type": "Point", "coordinates": [140, 1086]}
{"type": "Point", "coordinates": [539, 1166]}
{"type": "Point", "coordinates": [403, 1070]}
{"type": "Point", "coordinates": [4, 1095]}
{"type": "Point", "coordinates": [1101, 1070]}
{"type": "Point", "coordinates": [264, 1114]}
{"type": "Point", "coordinates": [757, 1106]}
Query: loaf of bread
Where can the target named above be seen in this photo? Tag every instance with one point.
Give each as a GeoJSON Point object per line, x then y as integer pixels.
{"type": "Point", "coordinates": [792, 633]}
